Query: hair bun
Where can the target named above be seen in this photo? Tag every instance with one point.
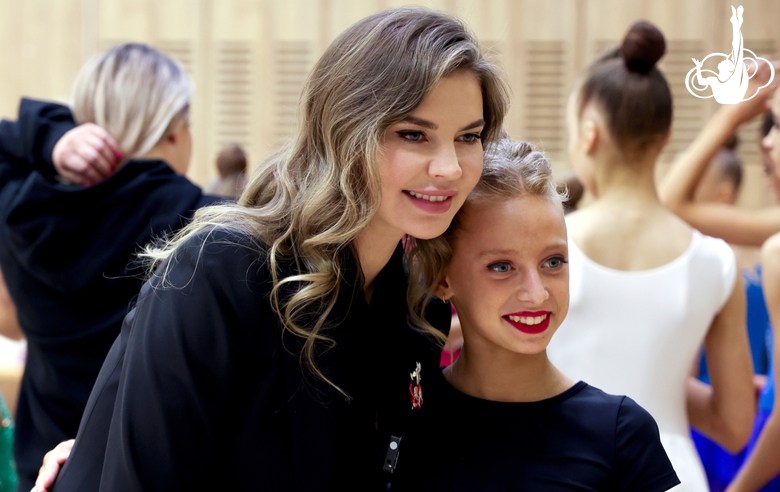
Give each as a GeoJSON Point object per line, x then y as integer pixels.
{"type": "Point", "coordinates": [642, 47]}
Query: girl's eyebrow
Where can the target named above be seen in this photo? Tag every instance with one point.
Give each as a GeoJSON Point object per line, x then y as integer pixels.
{"type": "Point", "coordinates": [500, 252]}
{"type": "Point", "coordinates": [497, 252]}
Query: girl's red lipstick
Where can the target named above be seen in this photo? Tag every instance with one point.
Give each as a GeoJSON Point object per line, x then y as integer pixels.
{"type": "Point", "coordinates": [529, 322]}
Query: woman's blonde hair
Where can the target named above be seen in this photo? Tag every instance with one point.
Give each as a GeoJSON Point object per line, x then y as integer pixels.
{"type": "Point", "coordinates": [306, 204]}
{"type": "Point", "coordinates": [511, 170]}
{"type": "Point", "coordinates": [135, 93]}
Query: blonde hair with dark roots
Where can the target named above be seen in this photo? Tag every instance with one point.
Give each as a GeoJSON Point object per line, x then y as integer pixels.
{"type": "Point", "coordinates": [306, 204]}
{"type": "Point", "coordinates": [511, 170]}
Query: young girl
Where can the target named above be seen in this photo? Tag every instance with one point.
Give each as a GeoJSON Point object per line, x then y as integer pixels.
{"type": "Point", "coordinates": [647, 289]}
{"type": "Point", "coordinates": [504, 417]}
{"type": "Point", "coordinates": [272, 349]}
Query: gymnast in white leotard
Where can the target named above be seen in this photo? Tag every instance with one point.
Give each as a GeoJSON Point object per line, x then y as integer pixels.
{"type": "Point", "coordinates": [647, 289]}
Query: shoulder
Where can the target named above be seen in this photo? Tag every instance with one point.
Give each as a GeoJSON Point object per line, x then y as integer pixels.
{"type": "Point", "coordinates": [770, 258]}
{"type": "Point", "coordinates": [641, 461]}
{"type": "Point", "coordinates": [155, 177]}
{"type": "Point", "coordinates": [619, 414]}
{"type": "Point", "coordinates": [210, 294]}
{"type": "Point", "coordinates": [588, 395]}
{"type": "Point", "coordinates": [218, 273]}
{"type": "Point", "coordinates": [638, 459]}
{"type": "Point", "coordinates": [717, 257]}
{"type": "Point", "coordinates": [221, 255]}
{"type": "Point", "coordinates": [771, 246]}
{"type": "Point", "coordinates": [716, 247]}
{"type": "Point", "coordinates": [633, 418]}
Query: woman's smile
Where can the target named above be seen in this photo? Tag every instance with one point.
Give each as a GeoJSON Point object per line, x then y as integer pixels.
{"type": "Point", "coordinates": [436, 202]}
{"type": "Point", "coordinates": [430, 161]}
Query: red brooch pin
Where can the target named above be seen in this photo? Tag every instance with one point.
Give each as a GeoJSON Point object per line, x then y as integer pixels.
{"type": "Point", "coordinates": [415, 388]}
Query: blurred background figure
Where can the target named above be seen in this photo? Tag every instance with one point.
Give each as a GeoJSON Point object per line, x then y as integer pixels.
{"type": "Point", "coordinates": [761, 469]}
{"type": "Point", "coordinates": [746, 230]}
{"type": "Point", "coordinates": [69, 230]}
{"type": "Point", "coordinates": [9, 328]}
{"type": "Point", "coordinates": [9, 323]}
{"type": "Point", "coordinates": [722, 181]}
{"type": "Point", "coordinates": [721, 184]}
{"type": "Point", "coordinates": [646, 288]}
{"type": "Point", "coordinates": [231, 165]}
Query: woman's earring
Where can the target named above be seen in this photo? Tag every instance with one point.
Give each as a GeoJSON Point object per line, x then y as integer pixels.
{"type": "Point", "coordinates": [446, 301]}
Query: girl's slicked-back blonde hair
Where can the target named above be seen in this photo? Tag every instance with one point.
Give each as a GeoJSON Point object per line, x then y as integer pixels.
{"type": "Point", "coordinates": [511, 170]}
{"type": "Point", "coordinates": [135, 93]}
{"type": "Point", "coordinates": [306, 204]}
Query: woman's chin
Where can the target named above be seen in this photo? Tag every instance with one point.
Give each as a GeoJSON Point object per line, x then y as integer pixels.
{"type": "Point", "coordinates": [428, 232]}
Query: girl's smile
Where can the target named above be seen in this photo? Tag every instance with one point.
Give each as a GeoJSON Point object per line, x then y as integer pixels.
{"type": "Point", "coordinates": [529, 322]}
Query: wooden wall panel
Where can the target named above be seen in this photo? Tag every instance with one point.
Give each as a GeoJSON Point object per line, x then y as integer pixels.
{"type": "Point", "coordinates": [40, 50]}
{"type": "Point", "coordinates": [232, 36]}
{"type": "Point", "coordinates": [690, 113]}
{"type": "Point", "coordinates": [249, 58]}
{"type": "Point", "coordinates": [542, 70]}
{"type": "Point", "coordinates": [545, 92]}
{"type": "Point", "coordinates": [234, 94]}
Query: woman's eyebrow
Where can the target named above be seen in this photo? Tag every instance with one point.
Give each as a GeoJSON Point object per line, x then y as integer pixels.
{"type": "Point", "coordinates": [433, 126]}
{"type": "Point", "coordinates": [471, 126]}
{"type": "Point", "coordinates": [421, 122]}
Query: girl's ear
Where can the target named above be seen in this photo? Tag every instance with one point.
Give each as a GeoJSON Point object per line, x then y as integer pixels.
{"type": "Point", "coordinates": [443, 290]}
{"type": "Point", "coordinates": [590, 136]}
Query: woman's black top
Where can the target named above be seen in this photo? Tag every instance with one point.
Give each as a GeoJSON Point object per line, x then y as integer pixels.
{"type": "Point", "coordinates": [211, 391]}
{"type": "Point", "coordinates": [580, 440]}
{"type": "Point", "coordinates": [65, 253]}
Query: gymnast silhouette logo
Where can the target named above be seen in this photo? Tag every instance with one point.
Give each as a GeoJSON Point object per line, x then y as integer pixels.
{"type": "Point", "coordinates": [730, 84]}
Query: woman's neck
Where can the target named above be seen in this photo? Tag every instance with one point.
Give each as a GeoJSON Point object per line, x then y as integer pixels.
{"type": "Point", "coordinates": [500, 375]}
{"type": "Point", "coordinates": [374, 250]}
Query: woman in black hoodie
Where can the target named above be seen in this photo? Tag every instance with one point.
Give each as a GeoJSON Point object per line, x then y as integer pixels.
{"type": "Point", "coordinates": [66, 249]}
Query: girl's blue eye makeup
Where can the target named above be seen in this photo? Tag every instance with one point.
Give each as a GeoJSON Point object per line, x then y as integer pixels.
{"type": "Point", "coordinates": [556, 262]}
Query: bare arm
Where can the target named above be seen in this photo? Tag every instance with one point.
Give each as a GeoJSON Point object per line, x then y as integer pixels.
{"type": "Point", "coordinates": [724, 410]}
{"type": "Point", "coordinates": [764, 463]}
{"type": "Point", "coordinates": [9, 323]}
{"type": "Point", "coordinates": [749, 227]}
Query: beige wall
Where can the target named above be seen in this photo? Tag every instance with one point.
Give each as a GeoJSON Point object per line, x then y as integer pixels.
{"type": "Point", "coordinates": [249, 57]}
